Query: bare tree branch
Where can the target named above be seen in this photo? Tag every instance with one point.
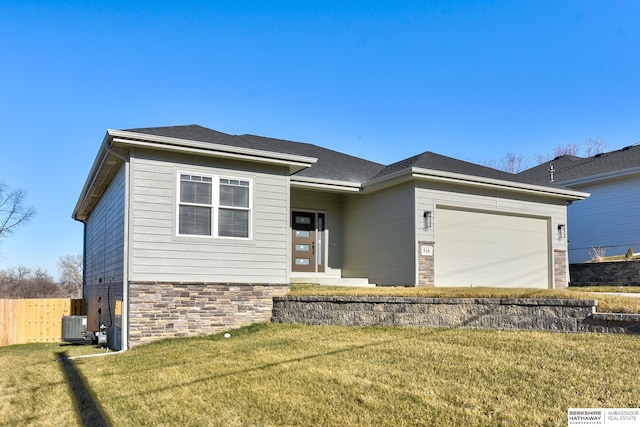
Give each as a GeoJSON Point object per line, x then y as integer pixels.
{"type": "Point", "coordinates": [542, 158]}
{"type": "Point", "coordinates": [70, 269]}
{"type": "Point", "coordinates": [594, 146]}
{"type": "Point", "coordinates": [513, 163]}
{"type": "Point", "coordinates": [567, 150]}
{"type": "Point", "coordinates": [13, 209]}
{"type": "Point", "coordinates": [23, 282]}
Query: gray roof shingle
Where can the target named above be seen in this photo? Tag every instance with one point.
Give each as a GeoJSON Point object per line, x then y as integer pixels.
{"type": "Point", "coordinates": [568, 168]}
{"type": "Point", "coordinates": [433, 161]}
{"type": "Point", "coordinates": [333, 165]}
{"type": "Point", "coordinates": [330, 165]}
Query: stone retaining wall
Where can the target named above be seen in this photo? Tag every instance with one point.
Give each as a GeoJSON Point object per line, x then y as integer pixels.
{"type": "Point", "coordinates": [547, 314]}
{"type": "Point", "coordinates": [615, 323]}
{"type": "Point", "coordinates": [623, 273]}
{"type": "Point", "coordinates": [163, 310]}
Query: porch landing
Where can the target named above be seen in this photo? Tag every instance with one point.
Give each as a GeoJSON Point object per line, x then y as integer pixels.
{"type": "Point", "coordinates": [332, 281]}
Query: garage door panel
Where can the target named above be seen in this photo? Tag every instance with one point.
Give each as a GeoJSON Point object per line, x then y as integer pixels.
{"type": "Point", "coordinates": [488, 249]}
{"type": "Point", "coordinates": [481, 248]}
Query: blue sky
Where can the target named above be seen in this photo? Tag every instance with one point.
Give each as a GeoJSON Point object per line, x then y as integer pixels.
{"type": "Point", "coordinates": [376, 79]}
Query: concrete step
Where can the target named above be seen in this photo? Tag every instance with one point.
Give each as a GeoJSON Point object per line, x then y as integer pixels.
{"type": "Point", "coordinates": [333, 281]}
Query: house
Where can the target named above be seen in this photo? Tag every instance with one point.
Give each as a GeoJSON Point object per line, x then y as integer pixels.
{"type": "Point", "coordinates": [608, 218]}
{"type": "Point", "coordinates": [192, 231]}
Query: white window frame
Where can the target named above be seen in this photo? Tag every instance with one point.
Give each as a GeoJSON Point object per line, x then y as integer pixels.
{"type": "Point", "coordinates": [215, 205]}
{"type": "Point", "coordinates": [236, 182]}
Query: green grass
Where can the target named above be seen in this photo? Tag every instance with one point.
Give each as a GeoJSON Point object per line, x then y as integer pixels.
{"type": "Point", "coordinates": [606, 303]}
{"type": "Point", "coordinates": [273, 375]}
{"type": "Point", "coordinates": [619, 257]}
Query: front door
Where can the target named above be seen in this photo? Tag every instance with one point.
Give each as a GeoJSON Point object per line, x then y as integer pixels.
{"type": "Point", "coordinates": [307, 241]}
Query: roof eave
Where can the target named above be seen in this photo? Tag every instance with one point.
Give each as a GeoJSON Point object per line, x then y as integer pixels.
{"type": "Point", "coordinates": [605, 176]}
{"type": "Point", "coordinates": [102, 158]}
{"type": "Point", "coordinates": [125, 140]}
{"type": "Point", "coordinates": [472, 181]}
{"type": "Point", "coordinates": [295, 162]}
{"type": "Point", "coordinates": [335, 186]}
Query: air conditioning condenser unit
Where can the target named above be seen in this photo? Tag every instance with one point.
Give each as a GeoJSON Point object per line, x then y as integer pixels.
{"type": "Point", "coordinates": [74, 329]}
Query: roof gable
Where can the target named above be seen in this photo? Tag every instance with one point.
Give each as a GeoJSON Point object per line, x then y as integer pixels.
{"type": "Point", "coordinates": [438, 162]}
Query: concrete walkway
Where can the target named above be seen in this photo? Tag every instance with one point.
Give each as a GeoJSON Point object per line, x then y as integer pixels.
{"type": "Point", "coordinates": [622, 294]}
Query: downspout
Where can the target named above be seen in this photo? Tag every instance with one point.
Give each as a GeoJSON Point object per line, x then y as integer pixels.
{"type": "Point", "coordinates": [108, 149]}
{"type": "Point", "coordinates": [124, 331]}
{"type": "Point", "coordinates": [84, 261]}
{"type": "Point", "coordinates": [124, 319]}
{"type": "Point", "coordinates": [124, 327]}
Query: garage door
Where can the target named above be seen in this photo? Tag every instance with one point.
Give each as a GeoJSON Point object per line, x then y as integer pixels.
{"type": "Point", "coordinates": [487, 249]}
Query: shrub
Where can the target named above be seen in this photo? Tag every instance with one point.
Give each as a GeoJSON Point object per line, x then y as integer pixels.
{"type": "Point", "coordinates": [629, 253]}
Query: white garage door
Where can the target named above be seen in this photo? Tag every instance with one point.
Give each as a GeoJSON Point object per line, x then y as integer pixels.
{"type": "Point", "coordinates": [488, 249]}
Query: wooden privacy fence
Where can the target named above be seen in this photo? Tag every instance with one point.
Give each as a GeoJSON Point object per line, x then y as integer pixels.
{"type": "Point", "coordinates": [35, 320]}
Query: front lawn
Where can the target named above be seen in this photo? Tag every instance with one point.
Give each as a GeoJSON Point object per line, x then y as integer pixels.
{"type": "Point", "coordinates": [274, 375]}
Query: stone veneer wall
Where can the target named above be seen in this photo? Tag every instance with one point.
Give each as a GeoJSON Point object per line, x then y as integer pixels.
{"type": "Point", "coordinates": [426, 275]}
{"type": "Point", "coordinates": [565, 315]}
{"type": "Point", "coordinates": [623, 273]}
{"type": "Point", "coordinates": [560, 279]}
{"type": "Point", "coordinates": [164, 310]}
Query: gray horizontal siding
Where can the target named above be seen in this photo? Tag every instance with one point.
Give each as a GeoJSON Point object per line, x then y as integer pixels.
{"type": "Point", "coordinates": [158, 254]}
{"type": "Point", "coordinates": [104, 246]}
{"type": "Point", "coordinates": [428, 197]}
{"type": "Point", "coordinates": [435, 197]}
{"type": "Point", "coordinates": [104, 254]}
{"type": "Point", "coordinates": [379, 236]}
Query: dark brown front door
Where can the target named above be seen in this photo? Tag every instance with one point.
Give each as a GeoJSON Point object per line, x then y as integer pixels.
{"type": "Point", "coordinates": [303, 241]}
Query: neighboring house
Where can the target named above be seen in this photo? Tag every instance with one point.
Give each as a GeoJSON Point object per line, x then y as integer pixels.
{"type": "Point", "coordinates": [608, 219]}
{"type": "Point", "coordinates": [191, 231]}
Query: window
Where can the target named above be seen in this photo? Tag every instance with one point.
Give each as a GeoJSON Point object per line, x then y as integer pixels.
{"type": "Point", "coordinates": [195, 205]}
{"type": "Point", "coordinates": [214, 206]}
{"type": "Point", "coordinates": [234, 208]}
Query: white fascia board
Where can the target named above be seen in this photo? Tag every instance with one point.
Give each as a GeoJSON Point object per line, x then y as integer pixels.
{"type": "Point", "coordinates": [387, 181]}
{"type": "Point", "coordinates": [325, 184]}
{"type": "Point", "coordinates": [601, 177]}
{"type": "Point", "coordinates": [473, 181]}
{"type": "Point", "coordinates": [295, 162]}
{"type": "Point", "coordinates": [93, 175]}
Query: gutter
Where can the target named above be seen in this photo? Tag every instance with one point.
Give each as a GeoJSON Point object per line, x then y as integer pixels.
{"type": "Point", "coordinates": [91, 179]}
{"type": "Point", "coordinates": [472, 181]}
{"type": "Point", "coordinates": [94, 173]}
{"type": "Point", "coordinates": [107, 147]}
{"type": "Point", "coordinates": [325, 184]}
{"type": "Point", "coordinates": [295, 162]}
